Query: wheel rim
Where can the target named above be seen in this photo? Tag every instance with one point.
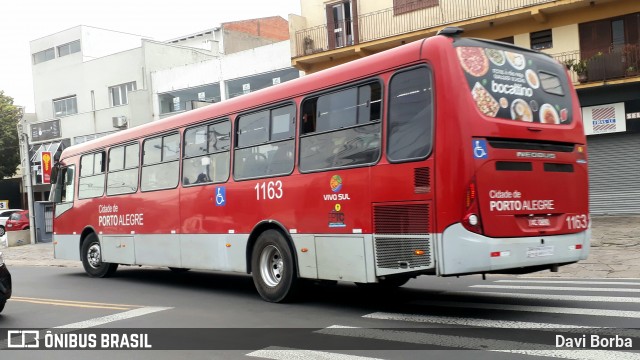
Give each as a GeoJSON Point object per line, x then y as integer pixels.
{"type": "Point", "coordinates": [271, 266]}
{"type": "Point", "coordinates": [1, 231]}
{"type": "Point", "coordinates": [93, 256]}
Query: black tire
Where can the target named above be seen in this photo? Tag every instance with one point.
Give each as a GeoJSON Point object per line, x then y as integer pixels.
{"type": "Point", "coordinates": [273, 269]}
{"type": "Point", "coordinates": [2, 231]}
{"type": "Point", "coordinates": [91, 255]}
{"type": "Point", "coordinates": [2, 305]}
{"type": "Point", "coordinates": [178, 270]}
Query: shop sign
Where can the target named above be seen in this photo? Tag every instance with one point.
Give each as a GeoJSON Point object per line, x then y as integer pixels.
{"type": "Point", "coordinates": [604, 119]}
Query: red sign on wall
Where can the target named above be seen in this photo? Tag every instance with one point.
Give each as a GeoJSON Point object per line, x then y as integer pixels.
{"type": "Point", "coordinates": [47, 163]}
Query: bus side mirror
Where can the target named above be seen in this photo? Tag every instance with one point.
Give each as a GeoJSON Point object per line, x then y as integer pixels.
{"type": "Point", "coordinates": [54, 173]}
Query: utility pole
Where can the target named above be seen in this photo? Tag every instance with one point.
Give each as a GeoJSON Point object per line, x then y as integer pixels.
{"type": "Point", "coordinates": [26, 172]}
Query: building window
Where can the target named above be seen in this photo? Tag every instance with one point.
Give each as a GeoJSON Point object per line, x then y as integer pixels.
{"type": "Point", "coordinates": [85, 138]}
{"type": "Point", "coordinates": [189, 99]}
{"type": "Point", "coordinates": [405, 6]}
{"type": "Point", "coordinates": [508, 40]}
{"type": "Point", "coordinates": [237, 87]}
{"type": "Point", "coordinates": [65, 106]}
{"type": "Point", "coordinates": [118, 93]}
{"type": "Point", "coordinates": [44, 55]}
{"type": "Point", "coordinates": [541, 40]}
{"type": "Point", "coordinates": [69, 48]}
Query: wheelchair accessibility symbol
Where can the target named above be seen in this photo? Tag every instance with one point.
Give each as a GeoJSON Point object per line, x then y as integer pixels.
{"type": "Point", "coordinates": [221, 196]}
{"type": "Point", "coordinates": [480, 149]}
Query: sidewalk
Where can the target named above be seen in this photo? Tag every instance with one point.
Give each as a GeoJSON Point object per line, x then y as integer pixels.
{"type": "Point", "coordinates": [615, 252]}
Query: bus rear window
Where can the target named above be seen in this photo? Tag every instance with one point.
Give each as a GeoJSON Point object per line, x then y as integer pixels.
{"type": "Point", "coordinates": [515, 85]}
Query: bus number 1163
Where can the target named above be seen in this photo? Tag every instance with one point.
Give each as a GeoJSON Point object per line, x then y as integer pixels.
{"type": "Point", "coordinates": [577, 222]}
{"type": "Point", "coordinates": [271, 190]}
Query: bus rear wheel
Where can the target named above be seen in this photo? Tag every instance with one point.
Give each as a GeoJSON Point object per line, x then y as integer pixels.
{"type": "Point", "coordinates": [92, 259]}
{"type": "Point", "coordinates": [273, 268]}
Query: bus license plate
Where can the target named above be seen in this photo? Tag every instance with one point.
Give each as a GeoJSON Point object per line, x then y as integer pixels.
{"type": "Point", "coordinates": [539, 251]}
{"type": "Point", "coordinates": [539, 222]}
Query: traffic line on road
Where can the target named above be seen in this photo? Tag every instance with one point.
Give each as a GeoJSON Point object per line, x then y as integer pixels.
{"type": "Point", "coordinates": [558, 288]}
{"type": "Point", "coordinates": [606, 299]}
{"type": "Point", "coordinates": [71, 303]}
{"type": "Point", "coordinates": [528, 308]}
{"type": "Point", "coordinates": [472, 343]}
{"type": "Point", "coordinates": [570, 282]}
{"type": "Point", "coordinates": [295, 354]}
{"type": "Point", "coordinates": [115, 317]}
{"type": "Point", "coordinates": [501, 324]}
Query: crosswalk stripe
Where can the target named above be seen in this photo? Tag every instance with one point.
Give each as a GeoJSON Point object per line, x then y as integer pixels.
{"type": "Point", "coordinates": [464, 321]}
{"type": "Point", "coordinates": [605, 299]}
{"type": "Point", "coordinates": [570, 282]}
{"type": "Point", "coordinates": [451, 341]}
{"type": "Point", "coordinates": [501, 324]}
{"type": "Point", "coordinates": [291, 354]}
{"type": "Point", "coordinates": [560, 288]}
{"type": "Point", "coordinates": [529, 308]}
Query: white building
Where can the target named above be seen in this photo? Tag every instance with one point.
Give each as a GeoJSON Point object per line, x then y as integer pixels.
{"type": "Point", "coordinates": [89, 82]}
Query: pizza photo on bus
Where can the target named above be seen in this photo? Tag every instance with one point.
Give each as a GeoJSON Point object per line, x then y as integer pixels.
{"type": "Point", "coordinates": [473, 60]}
{"type": "Point", "coordinates": [485, 102]}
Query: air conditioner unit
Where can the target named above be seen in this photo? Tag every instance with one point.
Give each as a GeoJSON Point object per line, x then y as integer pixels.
{"type": "Point", "coordinates": [119, 122]}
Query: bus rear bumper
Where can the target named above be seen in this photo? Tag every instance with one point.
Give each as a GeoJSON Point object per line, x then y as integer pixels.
{"type": "Point", "coordinates": [460, 251]}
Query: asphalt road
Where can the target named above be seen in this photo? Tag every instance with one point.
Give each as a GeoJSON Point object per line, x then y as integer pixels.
{"type": "Point", "coordinates": [220, 316]}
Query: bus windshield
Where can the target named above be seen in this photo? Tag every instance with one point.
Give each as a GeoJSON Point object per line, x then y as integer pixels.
{"type": "Point", "coordinates": [515, 85]}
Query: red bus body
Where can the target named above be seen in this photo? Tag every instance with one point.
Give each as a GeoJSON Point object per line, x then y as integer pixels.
{"type": "Point", "coordinates": [492, 195]}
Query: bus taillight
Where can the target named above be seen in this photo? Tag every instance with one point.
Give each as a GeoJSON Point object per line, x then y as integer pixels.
{"type": "Point", "coordinates": [471, 220]}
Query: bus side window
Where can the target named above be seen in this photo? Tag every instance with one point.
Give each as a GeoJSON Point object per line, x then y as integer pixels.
{"type": "Point", "coordinates": [410, 121]}
{"type": "Point", "coordinates": [346, 130]}
{"type": "Point", "coordinates": [160, 162]}
{"type": "Point", "coordinates": [92, 175]}
{"type": "Point", "coordinates": [123, 169]}
{"type": "Point", "coordinates": [265, 143]}
{"type": "Point", "coordinates": [206, 154]}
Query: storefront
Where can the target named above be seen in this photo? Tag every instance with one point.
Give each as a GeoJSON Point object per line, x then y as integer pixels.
{"type": "Point", "coordinates": [612, 122]}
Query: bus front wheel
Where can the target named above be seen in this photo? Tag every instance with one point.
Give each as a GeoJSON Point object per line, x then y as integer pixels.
{"type": "Point", "coordinates": [272, 267]}
{"type": "Point", "coordinates": [92, 259]}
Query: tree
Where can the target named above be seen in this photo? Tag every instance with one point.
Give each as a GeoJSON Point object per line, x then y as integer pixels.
{"type": "Point", "coordinates": [9, 144]}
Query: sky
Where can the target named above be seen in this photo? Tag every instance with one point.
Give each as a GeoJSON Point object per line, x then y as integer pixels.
{"type": "Point", "coordinates": [22, 21]}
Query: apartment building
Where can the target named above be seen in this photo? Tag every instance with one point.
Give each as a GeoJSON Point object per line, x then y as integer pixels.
{"type": "Point", "coordinates": [598, 40]}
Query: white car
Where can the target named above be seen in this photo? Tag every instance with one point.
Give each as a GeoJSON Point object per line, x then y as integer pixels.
{"type": "Point", "coordinates": [4, 216]}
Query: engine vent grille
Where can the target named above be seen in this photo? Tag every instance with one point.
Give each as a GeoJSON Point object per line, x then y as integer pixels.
{"type": "Point", "coordinates": [393, 252]}
{"type": "Point", "coordinates": [401, 219]}
{"type": "Point", "coordinates": [422, 180]}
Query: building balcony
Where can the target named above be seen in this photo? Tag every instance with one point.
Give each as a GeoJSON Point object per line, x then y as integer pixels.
{"type": "Point", "coordinates": [616, 64]}
{"type": "Point", "coordinates": [372, 32]}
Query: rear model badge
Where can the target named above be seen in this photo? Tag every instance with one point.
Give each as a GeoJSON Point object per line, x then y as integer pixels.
{"type": "Point", "coordinates": [535, 155]}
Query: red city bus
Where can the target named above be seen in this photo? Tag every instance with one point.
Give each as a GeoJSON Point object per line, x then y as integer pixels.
{"type": "Point", "coordinates": [446, 156]}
